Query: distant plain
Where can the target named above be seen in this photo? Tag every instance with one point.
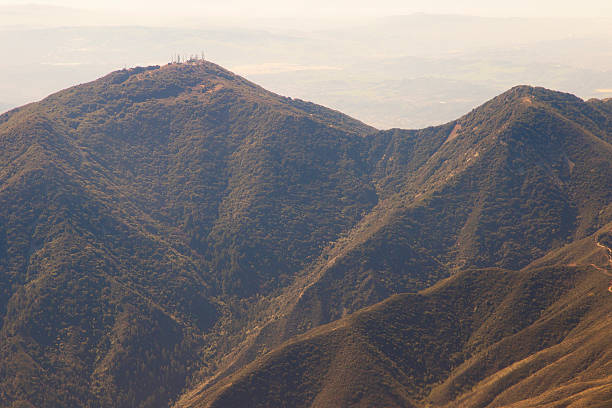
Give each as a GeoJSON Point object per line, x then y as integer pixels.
{"type": "Point", "coordinates": [404, 71]}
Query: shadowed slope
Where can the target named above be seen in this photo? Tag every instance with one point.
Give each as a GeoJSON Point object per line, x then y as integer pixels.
{"type": "Point", "coordinates": [133, 209]}
{"type": "Point", "coordinates": [517, 178]}
{"type": "Point", "coordinates": [523, 174]}
{"type": "Point", "coordinates": [483, 338]}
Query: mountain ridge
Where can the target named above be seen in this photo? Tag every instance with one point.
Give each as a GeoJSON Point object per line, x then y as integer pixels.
{"type": "Point", "coordinates": [164, 227]}
{"type": "Point", "coordinates": [497, 293]}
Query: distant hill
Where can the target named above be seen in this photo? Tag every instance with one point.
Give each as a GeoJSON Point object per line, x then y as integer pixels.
{"type": "Point", "coordinates": [167, 231]}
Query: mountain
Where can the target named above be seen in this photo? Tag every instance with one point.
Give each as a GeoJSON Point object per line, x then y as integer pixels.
{"type": "Point", "coordinates": [133, 209]}
{"type": "Point", "coordinates": [167, 233]}
{"type": "Point", "coordinates": [488, 337]}
{"type": "Point", "coordinates": [500, 187]}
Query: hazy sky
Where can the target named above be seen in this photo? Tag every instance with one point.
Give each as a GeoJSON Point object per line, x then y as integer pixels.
{"type": "Point", "coordinates": [343, 8]}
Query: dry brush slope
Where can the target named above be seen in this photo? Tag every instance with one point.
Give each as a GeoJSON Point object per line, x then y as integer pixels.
{"type": "Point", "coordinates": [519, 176]}
{"type": "Point", "coordinates": [155, 219]}
{"type": "Point", "coordinates": [133, 211]}
{"type": "Point", "coordinates": [483, 338]}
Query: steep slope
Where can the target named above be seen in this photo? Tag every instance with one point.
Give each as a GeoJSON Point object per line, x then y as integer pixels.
{"type": "Point", "coordinates": [135, 208]}
{"type": "Point", "coordinates": [85, 286]}
{"type": "Point", "coordinates": [483, 338]}
{"type": "Point", "coordinates": [515, 178]}
{"type": "Point", "coordinates": [510, 181]}
{"type": "Point", "coordinates": [205, 150]}
{"type": "Point", "coordinates": [519, 176]}
{"type": "Point", "coordinates": [162, 227]}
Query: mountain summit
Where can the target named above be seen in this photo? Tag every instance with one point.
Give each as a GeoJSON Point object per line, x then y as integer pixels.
{"type": "Point", "coordinates": [167, 233]}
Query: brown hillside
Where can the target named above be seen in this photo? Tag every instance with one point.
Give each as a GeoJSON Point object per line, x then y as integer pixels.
{"type": "Point", "coordinates": [162, 228]}
{"type": "Point", "coordinates": [486, 338]}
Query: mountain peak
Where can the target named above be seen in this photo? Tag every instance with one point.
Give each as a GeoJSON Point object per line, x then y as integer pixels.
{"type": "Point", "coordinates": [196, 68]}
{"type": "Point", "coordinates": [516, 112]}
{"type": "Point", "coordinates": [526, 95]}
{"type": "Point", "coordinates": [195, 77]}
{"type": "Point", "coordinates": [200, 85]}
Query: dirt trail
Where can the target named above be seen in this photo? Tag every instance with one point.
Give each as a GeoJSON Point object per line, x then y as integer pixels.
{"type": "Point", "coordinates": [605, 271]}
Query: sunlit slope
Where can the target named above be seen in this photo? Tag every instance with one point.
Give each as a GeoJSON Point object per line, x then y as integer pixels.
{"type": "Point", "coordinates": [483, 338]}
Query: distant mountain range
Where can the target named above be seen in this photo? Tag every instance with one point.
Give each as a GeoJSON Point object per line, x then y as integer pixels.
{"type": "Point", "coordinates": [179, 236]}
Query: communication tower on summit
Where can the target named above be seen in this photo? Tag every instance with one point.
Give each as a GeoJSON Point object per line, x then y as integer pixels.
{"type": "Point", "coordinates": [192, 58]}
